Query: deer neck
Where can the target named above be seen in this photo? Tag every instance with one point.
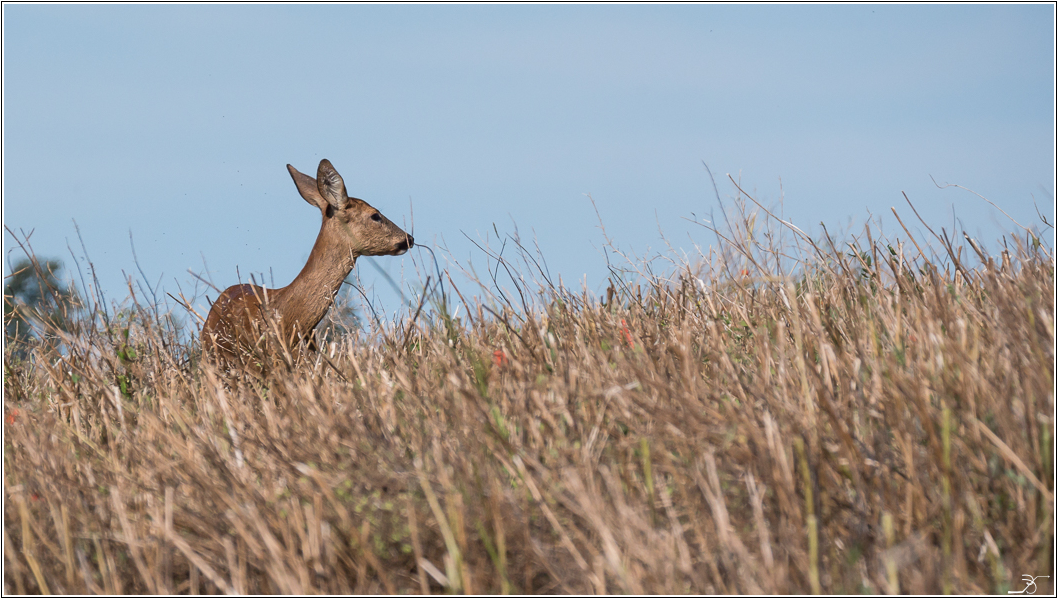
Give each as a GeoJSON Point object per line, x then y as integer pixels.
{"type": "Point", "coordinates": [303, 303]}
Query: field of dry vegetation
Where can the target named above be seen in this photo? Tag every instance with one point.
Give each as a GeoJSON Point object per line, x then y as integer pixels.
{"type": "Point", "coordinates": [780, 415]}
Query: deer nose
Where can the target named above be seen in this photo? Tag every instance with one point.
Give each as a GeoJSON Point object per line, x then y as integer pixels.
{"type": "Point", "coordinates": [406, 244]}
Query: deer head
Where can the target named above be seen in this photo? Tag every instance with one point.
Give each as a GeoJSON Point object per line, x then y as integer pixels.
{"type": "Point", "coordinates": [359, 228]}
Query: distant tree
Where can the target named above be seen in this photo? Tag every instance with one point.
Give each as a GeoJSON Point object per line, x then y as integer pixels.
{"type": "Point", "coordinates": [36, 304]}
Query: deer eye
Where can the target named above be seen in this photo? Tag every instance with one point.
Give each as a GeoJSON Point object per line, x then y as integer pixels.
{"type": "Point", "coordinates": [376, 217]}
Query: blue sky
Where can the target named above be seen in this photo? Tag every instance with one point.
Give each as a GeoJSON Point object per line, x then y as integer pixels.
{"type": "Point", "coordinates": [176, 123]}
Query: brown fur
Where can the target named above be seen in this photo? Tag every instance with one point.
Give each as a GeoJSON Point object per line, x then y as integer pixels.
{"type": "Point", "coordinates": [244, 314]}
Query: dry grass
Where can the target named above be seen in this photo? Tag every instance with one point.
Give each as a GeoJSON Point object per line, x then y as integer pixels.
{"type": "Point", "coordinates": [880, 420]}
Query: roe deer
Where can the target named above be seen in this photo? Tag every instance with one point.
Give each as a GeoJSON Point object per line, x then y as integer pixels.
{"type": "Point", "coordinates": [351, 228]}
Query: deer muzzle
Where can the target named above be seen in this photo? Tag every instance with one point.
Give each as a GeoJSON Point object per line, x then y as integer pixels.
{"type": "Point", "coordinates": [405, 244]}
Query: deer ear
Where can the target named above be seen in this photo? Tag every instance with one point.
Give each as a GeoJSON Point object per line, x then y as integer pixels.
{"type": "Point", "coordinates": [330, 184]}
{"type": "Point", "coordinates": [307, 188]}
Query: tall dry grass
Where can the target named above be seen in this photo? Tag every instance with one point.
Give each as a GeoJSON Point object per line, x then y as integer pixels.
{"type": "Point", "coordinates": [789, 415]}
